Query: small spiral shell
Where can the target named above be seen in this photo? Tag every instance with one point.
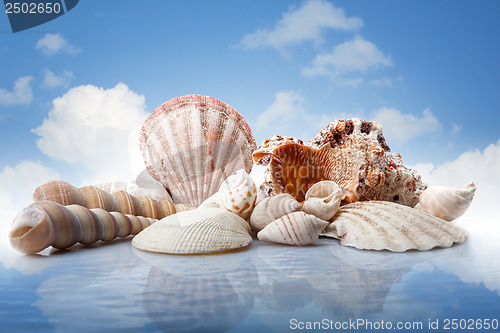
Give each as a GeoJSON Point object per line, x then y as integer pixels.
{"type": "Point", "coordinates": [48, 223]}
{"type": "Point", "coordinates": [94, 197]}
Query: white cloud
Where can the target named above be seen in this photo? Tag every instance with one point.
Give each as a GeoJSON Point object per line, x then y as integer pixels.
{"type": "Point", "coordinates": [357, 55]}
{"type": "Point", "coordinates": [90, 126]}
{"type": "Point", "coordinates": [21, 94]}
{"type": "Point", "coordinates": [51, 80]}
{"type": "Point", "coordinates": [302, 24]}
{"type": "Point", "coordinates": [386, 81]}
{"type": "Point", "coordinates": [401, 128]}
{"type": "Point", "coordinates": [17, 185]}
{"type": "Point", "coordinates": [481, 219]}
{"type": "Point", "coordinates": [286, 108]}
{"type": "Point", "coordinates": [52, 44]}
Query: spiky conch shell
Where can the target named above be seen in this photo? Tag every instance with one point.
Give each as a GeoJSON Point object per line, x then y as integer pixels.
{"type": "Point", "coordinates": [446, 202]}
{"type": "Point", "coordinates": [47, 223]}
{"type": "Point", "coordinates": [191, 143]}
{"type": "Point", "coordinates": [202, 230]}
{"type": "Point", "coordinates": [297, 228]}
{"type": "Point", "coordinates": [383, 225]}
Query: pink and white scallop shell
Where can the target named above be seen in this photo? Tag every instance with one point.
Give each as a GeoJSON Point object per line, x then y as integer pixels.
{"type": "Point", "coordinates": [192, 143]}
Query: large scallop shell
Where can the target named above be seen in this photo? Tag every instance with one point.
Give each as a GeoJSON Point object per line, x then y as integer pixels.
{"type": "Point", "coordinates": [192, 143]}
{"type": "Point", "coordinates": [382, 225]}
{"type": "Point", "coordinates": [272, 208]}
{"type": "Point", "coordinates": [446, 202]}
{"type": "Point", "coordinates": [297, 228]}
{"type": "Point", "coordinates": [323, 200]}
{"type": "Point", "coordinates": [202, 230]}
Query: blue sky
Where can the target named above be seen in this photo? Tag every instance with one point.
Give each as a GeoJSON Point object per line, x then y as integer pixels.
{"type": "Point", "coordinates": [74, 90]}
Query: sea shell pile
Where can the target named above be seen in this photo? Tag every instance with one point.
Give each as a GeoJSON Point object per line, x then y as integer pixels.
{"type": "Point", "coordinates": [353, 153]}
{"type": "Point", "coordinates": [344, 184]}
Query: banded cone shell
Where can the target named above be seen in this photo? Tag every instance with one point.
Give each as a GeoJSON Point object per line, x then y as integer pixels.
{"type": "Point", "coordinates": [272, 208]}
{"type": "Point", "coordinates": [191, 143]}
{"type": "Point", "coordinates": [94, 197]}
{"type": "Point", "coordinates": [47, 223]}
{"type": "Point", "coordinates": [382, 225]}
{"type": "Point", "coordinates": [202, 230]}
{"type": "Point", "coordinates": [323, 200]}
{"type": "Point", "coordinates": [445, 202]}
{"type": "Point", "coordinates": [297, 228]}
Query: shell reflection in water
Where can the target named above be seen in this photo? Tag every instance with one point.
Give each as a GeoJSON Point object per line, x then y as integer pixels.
{"type": "Point", "coordinates": [203, 230]}
{"type": "Point", "coordinates": [445, 202]}
{"type": "Point", "coordinates": [323, 200]}
{"type": "Point", "coordinates": [272, 208]}
{"type": "Point", "coordinates": [191, 143]}
{"type": "Point", "coordinates": [199, 294]}
{"type": "Point", "coordinates": [297, 228]}
{"type": "Point", "coordinates": [382, 225]}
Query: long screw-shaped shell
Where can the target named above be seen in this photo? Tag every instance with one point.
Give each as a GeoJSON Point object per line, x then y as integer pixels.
{"type": "Point", "coordinates": [93, 197]}
{"type": "Point", "coordinates": [47, 223]}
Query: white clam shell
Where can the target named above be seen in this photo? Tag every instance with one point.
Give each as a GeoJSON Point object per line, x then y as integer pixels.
{"type": "Point", "coordinates": [297, 228]}
{"type": "Point", "coordinates": [272, 208]}
{"type": "Point", "coordinates": [323, 199]}
{"type": "Point", "coordinates": [191, 143]}
{"type": "Point", "coordinates": [383, 225]}
{"type": "Point", "coordinates": [202, 230]}
{"type": "Point", "coordinates": [237, 194]}
{"type": "Point", "coordinates": [445, 202]}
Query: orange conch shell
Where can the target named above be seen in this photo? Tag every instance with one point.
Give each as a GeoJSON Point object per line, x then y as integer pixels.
{"type": "Point", "coordinates": [295, 168]}
{"type": "Point", "coordinates": [351, 152]}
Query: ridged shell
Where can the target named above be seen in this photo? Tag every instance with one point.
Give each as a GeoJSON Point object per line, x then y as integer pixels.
{"type": "Point", "coordinates": [95, 197]}
{"type": "Point", "coordinates": [272, 208]}
{"type": "Point", "coordinates": [47, 223]}
{"type": "Point", "coordinates": [323, 200]}
{"type": "Point", "coordinates": [202, 230]}
{"type": "Point", "coordinates": [192, 143]}
{"type": "Point", "coordinates": [446, 202]}
{"type": "Point", "coordinates": [297, 228]}
{"type": "Point", "coordinates": [382, 225]}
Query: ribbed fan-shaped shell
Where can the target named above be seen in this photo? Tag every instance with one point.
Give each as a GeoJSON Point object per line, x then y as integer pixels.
{"type": "Point", "coordinates": [202, 230]}
{"type": "Point", "coordinates": [297, 228]}
{"type": "Point", "coordinates": [381, 225]}
{"type": "Point", "coordinates": [192, 143]}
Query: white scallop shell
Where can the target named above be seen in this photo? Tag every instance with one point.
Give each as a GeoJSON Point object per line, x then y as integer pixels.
{"type": "Point", "coordinates": [383, 225]}
{"type": "Point", "coordinates": [272, 208]}
{"type": "Point", "coordinates": [237, 194]}
{"type": "Point", "coordinates": [191, 143]}
{"type": "Point", "coordinates": [323, 199]}
{"type": "Point", "coordinates": [445, 202]}
{"type": "Point", "coordinates": [297, 228]}
{"type": "Point", "coordinates": [202, 230]}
